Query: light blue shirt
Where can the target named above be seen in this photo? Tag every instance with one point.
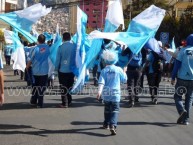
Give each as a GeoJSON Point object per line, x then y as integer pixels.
{"type": "Point", "coordinates": [112, 77]}
{"type": "Point", "coordinates": [39, 58]}
{"type": "Point", "coordinates": [27, 51]}
{"type": "Point", "coordinates": [167, 56]}
{"type": "Point", "coordinates": [186, 57]}
{"type": "Point", "coordinates": [66, 56]}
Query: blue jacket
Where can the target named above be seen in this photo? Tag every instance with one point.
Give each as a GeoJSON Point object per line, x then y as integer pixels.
{"type": "Point", "coordinates": [66, 55]}
{"type": "Point", "coordinates": [39, 58]}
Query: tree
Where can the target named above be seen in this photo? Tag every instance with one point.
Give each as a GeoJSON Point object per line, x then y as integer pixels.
{"type": "Point", "coordinates": [1, 39]}
{"type": "Point", "coordinates": [1, 36]}
{"type": "Point", "coordinates": [185, 23]}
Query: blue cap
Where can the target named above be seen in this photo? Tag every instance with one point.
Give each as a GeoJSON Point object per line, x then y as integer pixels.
{"type": "Point", "coordinates": [189, 40]}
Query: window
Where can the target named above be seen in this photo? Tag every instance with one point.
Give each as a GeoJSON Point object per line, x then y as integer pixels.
{"type": "Point", "coordinates": [96, 11]}
{"type": "Point", "coordinates": [96, 4]}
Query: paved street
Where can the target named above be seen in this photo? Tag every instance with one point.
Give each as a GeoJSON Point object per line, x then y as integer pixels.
{"type": "Point", "coordinates": [145, 124]}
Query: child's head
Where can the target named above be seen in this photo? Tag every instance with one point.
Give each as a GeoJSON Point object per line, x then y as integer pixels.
{"type": "Point", "coordinates": [110, 57]}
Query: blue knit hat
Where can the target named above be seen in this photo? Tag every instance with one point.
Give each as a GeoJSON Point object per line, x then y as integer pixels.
{"type": "Point", "coordinates": [110, 56]}
{"type": "Point", "coordinates": [189, 40]}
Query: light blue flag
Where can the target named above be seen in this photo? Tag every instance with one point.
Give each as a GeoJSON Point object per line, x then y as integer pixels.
{"type": "Point", "coordinates": [114, 16]}
{"type": "Point", "coordinates": [23, 20]}
{"type": "Point", "coordinates": [18, 54]}
{"type": "Point", "coordinates": [35, 33]}
{"type": "Point", "coordinates": [74, 38]}
{"type": "Point", "coordinates": [54, 48]}
{"type": "Point", "coordinates": [53, 53]}
{"type": "Point", "coordinates": [48, 36]}
{"type": "Point", "coordinates": [81, 37]}
{"type": "Point", "coordinates": [140, 30]}
{"type": "Point", "coordinates": [173, 45]}
{"type": "Point", "coordinates": [152, 44]}
{"type": "Point", "coordinates": [113, 20]}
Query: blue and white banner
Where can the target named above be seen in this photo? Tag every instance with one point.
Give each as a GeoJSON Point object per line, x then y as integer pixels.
{"type": "Point", "coordinates": [153, 45]}
{"type": "Point", "coordinates": [81, 36]}
{"type": "Point", "coordinates": [140, 30]}
{"type": "Point", "coordinates": [48, 36]}
{"type": "Point", "coordinates": [34, 32]}
{"type": "Point", "coordinates": [173, 45]}
{"type": "Point", "coordinates": [53, 51]}
{"type": "Point", "coordinates": [114, 16]}
{"type": "Point", "coordinates": [18, 54]}
{"type": "Point", "coordinates": [23, 20]}
{"type": "Point", "coordinates": [113, 20]}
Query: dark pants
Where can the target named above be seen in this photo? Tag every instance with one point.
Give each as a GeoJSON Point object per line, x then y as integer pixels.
{"type": "Point", "coordinates": [16, 72]}
{"type": "Point", "coordinates": [66, 81]}
{"type": "Point", "coordinates": [21, 75]}
{"type": "Point", "coordinates": [133, 83]}
{"type": "Point", "coordinates": [8, 59]}
{"type": "Point", "coordinates": [38, 90]}
{"type": "Point", "coordinates": [95, 74]}
{"type": "Point", "coordinates": [183, 87]}
{"type": "Point", "coordinates": [153, 80]}
{"type": "Point", "coordinates": [29, 77]}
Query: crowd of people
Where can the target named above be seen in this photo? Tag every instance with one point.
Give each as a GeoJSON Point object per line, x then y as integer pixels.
{"type": "Point", "coordinates": [115, 64]}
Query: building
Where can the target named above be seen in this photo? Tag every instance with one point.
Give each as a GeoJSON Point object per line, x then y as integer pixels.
{"type": "Point", "coordinates": [6, 6]}
{"type": "Point", "coordinates": [96, 11]}
{"type": "Point", "coordinates": [180, 6]}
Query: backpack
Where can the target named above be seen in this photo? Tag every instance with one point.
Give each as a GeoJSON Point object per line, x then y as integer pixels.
{"type": "Point", "coordinates": [157, 64]}
{"type": "Point", "coordinates": [135, 60]}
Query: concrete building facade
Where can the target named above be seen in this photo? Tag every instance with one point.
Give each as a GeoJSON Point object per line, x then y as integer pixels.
{"type": "Point", "coordinates": [180, 6]}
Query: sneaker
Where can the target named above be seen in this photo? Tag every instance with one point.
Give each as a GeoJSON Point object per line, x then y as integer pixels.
{"type": "Point", "coordinates": [95, 83]}
{"type": "Point", "coordinates": [186, 123]}
{"type": "Point", "coordinates": [131, 104]}
{"type": "Point", "coordinates": [155, 101]}
{"type": "Point", "coordinates": [33, 104]}
{"type": "Point", "coordinates": [63, 106]}
{"type": "Point", "coordinates": [137, 100]}
{"type": "Point", "coordinates": [181, 117]}
{"type": "Point", "coordinates": [113, 131]}
{"type": "Point", "coordinates": [105, 127]}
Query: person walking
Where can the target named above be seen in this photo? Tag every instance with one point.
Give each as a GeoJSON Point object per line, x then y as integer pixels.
{"type": "Point", "coordinates": [109, 88]}
{"type": "Point", "coordinates": [134, 71]}
{"type": "Point", "coordinates": [38, 59]}
{"type": "Point", "coordinates": [183, 70]}
{"type": "Point", "coordinates": [65, 63]}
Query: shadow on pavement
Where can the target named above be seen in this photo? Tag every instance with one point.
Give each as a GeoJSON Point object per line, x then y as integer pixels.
{"type": "Point", "coordinates": [11, 126]}
{"type": "Point", "coordinates": [161, 124]}
{"type": "Point", "coordinates": [6, 129]}
{"type": "Point", "coordinates": [11, 106]}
